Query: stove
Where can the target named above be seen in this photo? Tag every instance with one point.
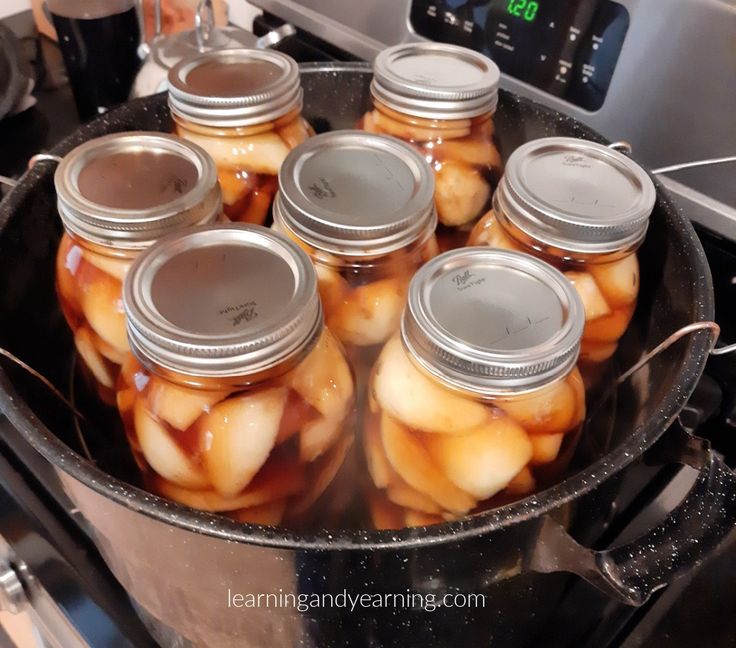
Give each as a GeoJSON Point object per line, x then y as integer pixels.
{"type": "Point", "coordinates": [75, 601]}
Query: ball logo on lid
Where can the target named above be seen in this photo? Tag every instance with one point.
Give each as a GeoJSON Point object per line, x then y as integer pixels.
{"type": "Point", "coordinates": [239, 313]}
{"type": "Point", "coordinates": [467, 280]}
{"type": "Point", "coordinates": [572, 159]}
{"type": "Point", "coordinates": [322, 190]}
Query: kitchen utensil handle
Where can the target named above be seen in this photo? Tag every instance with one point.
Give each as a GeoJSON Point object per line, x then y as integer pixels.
{"type": "Point", "coordinates": [632, 572]}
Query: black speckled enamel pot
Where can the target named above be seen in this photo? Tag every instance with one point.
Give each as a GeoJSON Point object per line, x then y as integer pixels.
{"type": "Point", "coordinates": [183, 567]}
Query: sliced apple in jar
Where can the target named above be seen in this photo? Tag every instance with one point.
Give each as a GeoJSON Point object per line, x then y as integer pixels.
{"type": "Point", "coordinates": [369, 314]}
{"type": "Point", "coordinates": [460, 194]}
{"type": "Point", "coordinates": [608, 328]}
{"type": "Point", "coordinates": [180, 406]}
{"type": "Point", "coordinates": [411, 460]}
{"type": "Point", "coordinates": [475, 152]}
{"type": "Point", "coordinates": [618, 280]}
{"type": "Point", "coordinates": [379, 467]}
{"type": "Point", "coordinates": [416, 400]}
{"type": "Point", "coordinates": [262, 153]}
{"type": "Point", "coordinates": [594, 302]}
{"type": "Point", "coordinates": [238, 436]}
{"type": "Point", "coordinates": [162, 453]}
{"type": "Point", "coordinates": [276, 481]}
{"type": "Point", "coordinates": [484, 461]}
{"type": "Point", "coordinates": [401, 494]}
{"type": "Point", "coordinates": [548, 410]}
{"type": "Point", "coordinates": [324, 379]}
{"type": "Point", "coordinates": [84, 342]}
{"type": "Point", "coordinates": [102, 305]}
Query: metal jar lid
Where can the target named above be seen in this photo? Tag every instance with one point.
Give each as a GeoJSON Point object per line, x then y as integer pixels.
{"type": "Point", "coordinates": [356, 193]}
{"type": "Point", "coordinates": [129, 189]}
{"type": "Point", "coordinates": [576, 194]}
{"type": "Point", "coordinates": [234, 87]}
{"type": "Point", "coordinates": [222, 301]}
{"type": "Point", "coordinates": [491, 321]}
{"type": "Point", "coordinates": [435, 81]}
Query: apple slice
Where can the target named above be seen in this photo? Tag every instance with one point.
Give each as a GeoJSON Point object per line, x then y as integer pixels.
{"type": "Point", "coordinates": [262, 153]}
{"type": "Point", "coordinates": [68, 258]}
{"type": "Point", "coordinates": [102, 304]}
{"type": "Point", "coordinates": [238, 435]}
{"type": "Point", "coordinates": [319, 435]}
{"type": "Point", "coordinates": [594, 302]}
{"type": "Point", "coordinates": [488, 231]}
{"type": "Point", "coordinates": [411, 460]}
{"type": "Point", "coordinates": [460, 194]}
{"type": "Point", "coordinates": [475, 152]}
{"type": "Point", "coordinates": [333, 289]}
{"type": "Point", "coordinates": [545, 447]}
{"type": "Point", "coordinates": [116, 267]}
{"type": "Point", "coordinates": [180, 406]}
{"type": "Point", "coordinates": [548, 410]}
{"type": "Point", "coordinates": [400, 493]}
{"type": "Point", "coordinates": [484, 461]}
{"type": "Point", "coordinates": [369, 314]}
{"type": "Point", "coordinates": [162, 453]}
{"type": "Point", "coordinates": [419, 130]}
{"type": "Point", "coordinates": [276, 481]}
{"type": "Point", "coordinates": [324, 379]}
{"type": "Point", "coordinates": [126, 400]}
{"type": "Point", "coordinates": [294, 133]}
{"type": "Point", "coordinates": [608, 328]}
{"type": "Point", "coordinates": [418, 401]}
{"type": "Point", "coordinates": [379, 467]}
{"type": "Point", "coordinates": [100, 368]}
{"type": "Point", "coordinates": [618, 280]}
{"type": "Point", "coordinates": [368, 123]}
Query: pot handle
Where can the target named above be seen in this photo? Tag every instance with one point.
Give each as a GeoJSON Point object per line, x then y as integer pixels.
{"type": "Point", "coordinates": [632, 572]}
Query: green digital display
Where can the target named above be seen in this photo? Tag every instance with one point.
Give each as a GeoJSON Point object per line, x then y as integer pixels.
{"type": "Point", "coordinates": [525, 9]}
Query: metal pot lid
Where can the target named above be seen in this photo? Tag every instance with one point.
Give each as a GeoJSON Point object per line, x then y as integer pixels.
{"type": "Point", "coordinates": [129, 189]}
{"type": "Point", "coordinates": [436, 80]}
{"type": "Point", "coordinates": [234, 87]}
{"type": "Point", "coordinates": [222, 301]}
{"type": "Point", "coordinates": [491, 321]}
{"type": "Point", "coordinates": [577, 195]}
{"type": "Point", "coordinates": [356, 193]}
{"type": "Point", "coordinates": [168, 49]}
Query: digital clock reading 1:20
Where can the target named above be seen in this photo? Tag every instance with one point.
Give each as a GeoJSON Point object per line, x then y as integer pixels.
{"type": "Point", "coordinates": [526, 9]}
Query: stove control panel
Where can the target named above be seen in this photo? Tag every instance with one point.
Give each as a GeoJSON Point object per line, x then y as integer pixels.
{"type": "Point", "coordinates": [568, 48]}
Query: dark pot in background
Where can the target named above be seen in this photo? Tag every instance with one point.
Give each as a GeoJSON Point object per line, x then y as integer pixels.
{"type": "Point", "coordinates": [183, 567]}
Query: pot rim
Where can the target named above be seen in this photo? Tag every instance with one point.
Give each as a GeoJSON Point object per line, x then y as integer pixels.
{"type": "Point", "coordinates": [66, 460]}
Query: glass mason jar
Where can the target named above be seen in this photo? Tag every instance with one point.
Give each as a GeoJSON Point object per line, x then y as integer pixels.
{"type": "Point", "coordinates": [236, 398]}
{"type": "Point", "coordinates": [243, 107]}
{"type": "Point", "coordinates": [361, 206]}
{"type": "Point", "coordinates": [441, 98]}
{"type": "Point", "coordinates": [584, 208]}
{"type": "Point", "coordinates": [478, 400]}
{"type": "Point", "coordinates": [117, 195]}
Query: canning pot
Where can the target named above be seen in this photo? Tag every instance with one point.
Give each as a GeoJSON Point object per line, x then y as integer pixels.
{"type": "Point", "coordinates": [195, 577]}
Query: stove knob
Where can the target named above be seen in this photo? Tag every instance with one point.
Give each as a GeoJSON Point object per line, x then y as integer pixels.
{"type": "Point", "coordinates": [12, 595]}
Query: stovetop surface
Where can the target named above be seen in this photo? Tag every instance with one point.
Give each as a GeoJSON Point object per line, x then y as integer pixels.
{"type": "Point", "coordinates": [696, 610]}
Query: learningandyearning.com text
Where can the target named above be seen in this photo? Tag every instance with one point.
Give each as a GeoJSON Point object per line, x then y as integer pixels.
{"type": "Point", "coordinates": [304, 602]}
